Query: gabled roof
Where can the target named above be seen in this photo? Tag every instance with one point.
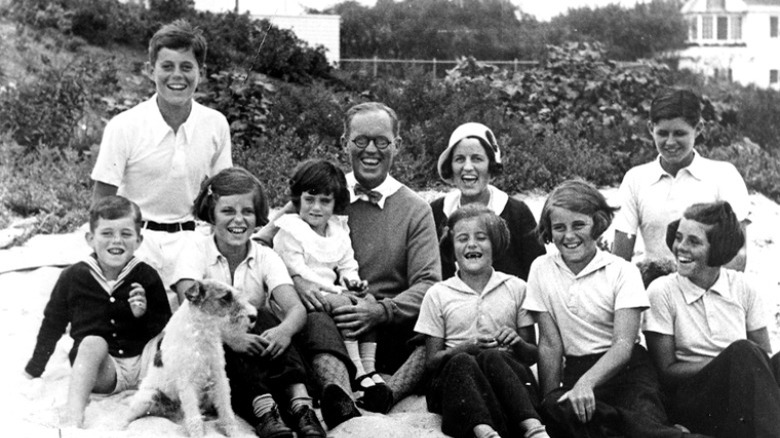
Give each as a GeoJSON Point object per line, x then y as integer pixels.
{"type": "Point", "coordinates": [762, 2]}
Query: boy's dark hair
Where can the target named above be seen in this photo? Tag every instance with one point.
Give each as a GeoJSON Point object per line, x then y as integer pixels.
{"type": "Point", "coordinates": [497, 230]}
{"type": "Point", "coordinates": [228, 182]}
{"type": "Point", "coordinates": [179, 35]}
{"type": "Point", "coordinates": [494, 168]}
{"type": "Point", "coordinates": [725, 234]}
{"type": "Point", "coordinates": [368, 107]}
{"type": "Point", "coordinates": [581, 197]}
{"type": "Point", "coordinates": [319, 177]}
{"type": "Point", "coordinates": [676, 103]}
{"type": "Point", "coordinates": [652, 269]}
{"type": "Point", "coordinates": [114, 207]}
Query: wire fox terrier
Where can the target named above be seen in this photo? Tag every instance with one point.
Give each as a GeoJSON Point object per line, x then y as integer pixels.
{"type": "Point", "coordinates": [188, 372]}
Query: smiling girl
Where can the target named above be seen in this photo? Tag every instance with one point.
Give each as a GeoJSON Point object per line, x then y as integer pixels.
{"type": "Point", "coordinates": [315, 245]}
{"type": "Point", "coordinates": [260, 362]}
{"type": "Point", "coordinates": [470, 163]}
{"type": "Point", "coordinates": [706, 331]}
{"type": "Point", "coordinates": [656, 193]}
{"type": "Point", "coordinates": [479, 342]}
{"type": "Point", "coordinates": [588, 305]}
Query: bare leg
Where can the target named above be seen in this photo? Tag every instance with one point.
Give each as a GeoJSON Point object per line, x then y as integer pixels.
{"type": "Point", "coordinates": [93, 371]}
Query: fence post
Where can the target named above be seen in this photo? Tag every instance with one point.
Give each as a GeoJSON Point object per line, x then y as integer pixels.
{"type": "Point", "coordinates": [434, 69]}
{"type": "Point", "coordinates": [515, 63]}
{"type": "Point", "coordinates": [376, 64]}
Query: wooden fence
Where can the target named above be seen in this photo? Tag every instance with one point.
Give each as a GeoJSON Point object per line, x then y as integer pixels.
{"type": "Point", "coordinates": [375, 66]}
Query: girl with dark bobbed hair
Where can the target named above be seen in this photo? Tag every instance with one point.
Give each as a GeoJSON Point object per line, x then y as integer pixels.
{"type": "Point", "coordinates": [706, 332]}
{"type": "Point", "coordinates": [655, 193]}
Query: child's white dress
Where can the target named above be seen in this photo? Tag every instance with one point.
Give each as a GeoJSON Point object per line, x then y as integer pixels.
{"type": "Point", "coordinates": [325, 259]}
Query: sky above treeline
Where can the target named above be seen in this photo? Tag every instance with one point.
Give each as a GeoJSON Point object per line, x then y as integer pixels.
{"type": "Point", "coordinates": [542, 9]}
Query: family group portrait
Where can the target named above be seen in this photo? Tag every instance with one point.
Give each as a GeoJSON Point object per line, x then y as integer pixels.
{"type": "Point", "coordinates": [464, 218]}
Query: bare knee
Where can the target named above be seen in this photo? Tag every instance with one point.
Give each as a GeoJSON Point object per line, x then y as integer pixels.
{"type": "Point", "coordinates": [92, 347]}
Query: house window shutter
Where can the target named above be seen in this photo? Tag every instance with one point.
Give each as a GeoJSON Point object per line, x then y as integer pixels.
{"type": "Point", "coordinates": [693, 29]}
{"type": "Point", "coordinates": [772, 76]}
{"type": "Point", "coordinates": [773, 27]}
{"type": "Point", "coordinates": [736, 28]}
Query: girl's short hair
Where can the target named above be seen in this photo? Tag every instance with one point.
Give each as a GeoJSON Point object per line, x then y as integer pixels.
{"type": "Point", "coordinates": [581, 197]}
{"type": "Point", "coordinates": [724, 235]}
{"type": "Point", "coordinates": [497, 230]}
{"type": "Point", "coordinates": [319, 177]}
{"type": "Point", "coordinates": [676, 103]}
{"type": "Point", "coordinates": [229, 182]}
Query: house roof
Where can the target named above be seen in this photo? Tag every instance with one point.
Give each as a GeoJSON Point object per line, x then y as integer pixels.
{"type": "Point", "coordinates": [762, 2]}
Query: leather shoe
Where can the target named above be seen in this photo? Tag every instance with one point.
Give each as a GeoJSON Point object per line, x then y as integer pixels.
{"type": "Point", "coordinates": [306, 424]}
{"type": "Point", "coordinates": [377, 398]}
{"type": "Point", "coordinates": [336, 406]}
{"type": "Point", "coordinates": [271, 426]}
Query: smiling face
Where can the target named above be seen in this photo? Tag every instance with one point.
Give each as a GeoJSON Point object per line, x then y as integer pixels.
{"type": "Point", "coordinates": [316, 210]}
{"type": "Point", "coordinates": [114, 242]}
{"type": "Point", "coordinates": [472, 245]}
{"type": "Point", "coordinates": [470, 171]}
{"type": "Point", "coordinates": [674, 140]}
{"type": "Point", "coordinates": [234, 221]}
{"type": "Point", "coordinates": [572, 234]}
{"type": "Point", "coordinates": [691, 249]}
{"type": "Point", "coordinates": [371, 164]}
{"type": "Point", "coordinates": [176, 75]}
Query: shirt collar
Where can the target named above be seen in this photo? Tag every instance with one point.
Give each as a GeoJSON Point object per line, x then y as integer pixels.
{"type": "Point", "coordinates": [692, 292]}
{"type": "Point", "coordinates": [497, 201]}
{"type": "Point", "coordinates": [600, 260]}
{"type": "Point", "coordinates": [97, 272]}
{"type": "Point", "coordinates": [214, 257]}
{"type": "Point", "coordinates": [160, 128]}
{"type": "Point", "coordinates": [388, 187]}
{"type": "Point", "coordinates": [496, 280]}
{"type": "Point", "coordinates": [694, 169]}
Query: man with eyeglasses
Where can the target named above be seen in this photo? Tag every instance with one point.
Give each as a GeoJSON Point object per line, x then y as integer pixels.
{"type": "Point", "coordinates": [394, 239]}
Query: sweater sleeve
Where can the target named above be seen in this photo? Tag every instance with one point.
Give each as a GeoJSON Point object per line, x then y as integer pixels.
{"type": "Point", "coordinates": [55, 320]}
{"type": "Point", "coordinates": [158, 310]}
{"type": "Point", "coordinates": [423, 268]}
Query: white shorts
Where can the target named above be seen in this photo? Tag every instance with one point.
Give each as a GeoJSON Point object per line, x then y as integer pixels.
{"type": "Point", "coordinates": [130, 370]}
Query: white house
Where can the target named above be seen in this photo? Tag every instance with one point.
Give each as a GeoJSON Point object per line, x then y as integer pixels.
{"type": "Point", "coordinates": [314, 29]}
{"type": "Point", "coordinates": [735, 39]}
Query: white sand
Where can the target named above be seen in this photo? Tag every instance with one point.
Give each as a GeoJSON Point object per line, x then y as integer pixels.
{"type": "Point", "coordinates": [27, 410]}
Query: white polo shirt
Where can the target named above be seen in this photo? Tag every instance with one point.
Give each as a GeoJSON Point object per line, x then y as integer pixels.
{"type": "Point", "coordinates": [704, 322]}
{"type": "Point", "coordinates": [453, 311]}
{"type": "Point", "coordinates": [259, 273]}
{"type": "Point", "coordinates": [158, 169]}
{"type": "Point", "coordinates": [583, 305]}
{"type": "Point", "coordinates": [650, 198]}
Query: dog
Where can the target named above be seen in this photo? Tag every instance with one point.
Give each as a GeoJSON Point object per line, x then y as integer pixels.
{"type": "Point", "coordinates": [188, 370]}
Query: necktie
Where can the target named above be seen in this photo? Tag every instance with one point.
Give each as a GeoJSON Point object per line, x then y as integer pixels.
{"type": "Point", "coordinates": [365, 194]}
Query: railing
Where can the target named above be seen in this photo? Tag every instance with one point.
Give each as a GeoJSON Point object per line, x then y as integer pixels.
{"type": "Point", "coordinates": [437, 66]}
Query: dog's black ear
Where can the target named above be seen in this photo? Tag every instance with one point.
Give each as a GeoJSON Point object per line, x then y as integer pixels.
{"type": "Point", "coordinates": [195, 293]}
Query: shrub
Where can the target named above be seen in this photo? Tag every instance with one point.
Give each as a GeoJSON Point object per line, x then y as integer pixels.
{"type": "Point", "coordinates": [50, 184]}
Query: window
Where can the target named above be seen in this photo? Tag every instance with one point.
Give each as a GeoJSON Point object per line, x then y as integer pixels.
{"type": "Point", "coordinates": [736, 28]}
{"type": "Point", "coordinates": [772, 76]}
{"type": "Point", "coordinates": [723, 28]}
{"type": "Point", "coordinates": [772, 27]}
{"type": "Point", "coordinates": [693, 29]}
{"type": "Point", "coordinates": [706, 27]}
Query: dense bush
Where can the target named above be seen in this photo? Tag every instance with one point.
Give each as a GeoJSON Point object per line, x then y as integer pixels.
{"type": "Point", "coordinates": [58, 108]}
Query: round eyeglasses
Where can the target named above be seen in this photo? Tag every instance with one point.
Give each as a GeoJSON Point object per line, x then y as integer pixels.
{"type": "Point", "coordinates": [363, 141]}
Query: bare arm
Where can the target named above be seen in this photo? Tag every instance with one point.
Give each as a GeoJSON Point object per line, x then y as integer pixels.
{"type": "Point", "coordinates": [581, 396]}
{"type": "Point", "coordinates": [761, 338]}
{"type": "Point", "coordinates": [672, 371]}
{"type": "Point", "coordinates": [101, 190]}
{"type": "Point", "coordinates": [550, 354]}
{"type": "Point", "coordinates": [623, 246]}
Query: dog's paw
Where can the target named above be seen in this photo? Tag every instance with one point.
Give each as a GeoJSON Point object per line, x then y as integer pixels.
{"type": "Point", "coordinates": [230, 427]}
